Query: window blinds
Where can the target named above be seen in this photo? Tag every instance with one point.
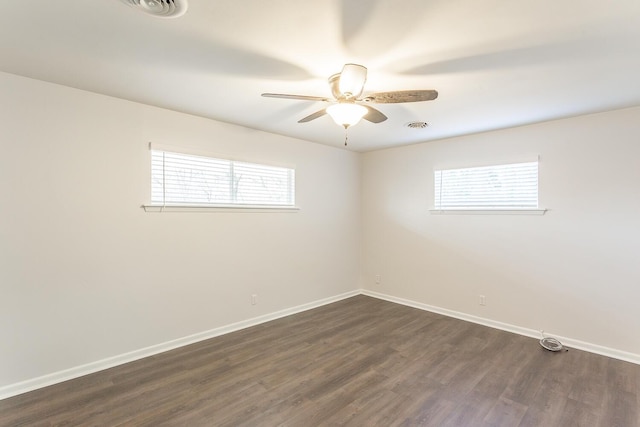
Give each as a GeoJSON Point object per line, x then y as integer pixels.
{"type": "Point", "coordinates": [185, 179]}
{"type": "Point", "coordinates": [512, 186]}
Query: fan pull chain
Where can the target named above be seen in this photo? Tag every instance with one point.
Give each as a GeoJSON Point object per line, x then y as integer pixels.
{"type": "Point", "coordinates": [346, 134]}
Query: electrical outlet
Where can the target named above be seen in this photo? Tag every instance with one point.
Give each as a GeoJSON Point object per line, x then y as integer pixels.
{"type": "Point", "coordinates": [254, 299]}
{"type": "Point", "coordinates": [483, 300]}
{"type": "Point", "coordinates": [378, 279]}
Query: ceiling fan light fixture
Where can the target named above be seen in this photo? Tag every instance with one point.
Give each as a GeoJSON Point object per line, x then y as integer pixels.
{"type": "Point", "coordinates": [352, 80]}
{"type": "Point", "coordinates": [346, 88]}
{"type": "Point", "coordinates": [346, 114]}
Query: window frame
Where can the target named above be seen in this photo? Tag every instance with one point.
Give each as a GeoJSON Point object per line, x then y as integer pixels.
{"type": "Point", "coordinates": [489, 210]}
{"type": "Point", "coordinates": [152, 206]}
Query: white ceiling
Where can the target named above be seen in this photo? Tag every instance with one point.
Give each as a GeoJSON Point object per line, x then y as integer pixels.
{"type": "Point", "coordinates": [495, 63]}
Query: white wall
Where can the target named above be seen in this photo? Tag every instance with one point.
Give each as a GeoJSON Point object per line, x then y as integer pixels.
{"type": "Point", "coordinates": [574, 272]}
{"type": "Point", "coordinates": [86, 274]}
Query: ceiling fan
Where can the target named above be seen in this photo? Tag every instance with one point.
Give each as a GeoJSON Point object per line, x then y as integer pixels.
{"type": "Point", "coordinates": [346, 107]}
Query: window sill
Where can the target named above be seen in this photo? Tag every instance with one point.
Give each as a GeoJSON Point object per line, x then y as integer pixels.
{"type": "Point", "coordinates": [219, 208]}
{"type": "Point", "coordinates": [487, 211]}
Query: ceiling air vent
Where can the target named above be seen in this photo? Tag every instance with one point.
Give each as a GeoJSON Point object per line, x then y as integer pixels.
{"type": "Point", "coordinates": [159, 8]}
{"type": "Point", "coordinates": [417, 125]}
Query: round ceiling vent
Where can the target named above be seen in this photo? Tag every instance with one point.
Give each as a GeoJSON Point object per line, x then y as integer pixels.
{"type": "Point", "coordinates": [417, 125]}
{"type": "Point", "coordinates": [159, 8]}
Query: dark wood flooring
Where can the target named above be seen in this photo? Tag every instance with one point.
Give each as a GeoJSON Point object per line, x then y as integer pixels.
{"type": "Point", "coordinates": [359, 362]}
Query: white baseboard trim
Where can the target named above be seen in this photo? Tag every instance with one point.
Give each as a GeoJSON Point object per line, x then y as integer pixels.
{"type": "Point", "coordinates": [100, 365]}
{"type": "Point", "coordinates": [110, 362]}
{"type": "Point", "coordinates": [569, 342]}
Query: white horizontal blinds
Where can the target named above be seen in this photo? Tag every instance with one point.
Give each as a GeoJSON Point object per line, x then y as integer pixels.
{"type": "Point", "coordinates": [185, 179]}
{"type": "Point", "coordinates": [512, 186]}
{"type": "Point", "coordinates": [259, 184]}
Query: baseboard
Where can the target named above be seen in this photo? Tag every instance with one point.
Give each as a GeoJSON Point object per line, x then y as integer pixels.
{"type": "Point", "coordinates": [567, 341]}
{"type": "Point", "coordinates": [90, 368]}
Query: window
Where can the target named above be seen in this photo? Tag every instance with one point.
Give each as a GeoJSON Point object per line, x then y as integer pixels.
{"type": "Point", "coordinates": [500, 187]}
{"type": "Point", "coordinates": [188, 180]}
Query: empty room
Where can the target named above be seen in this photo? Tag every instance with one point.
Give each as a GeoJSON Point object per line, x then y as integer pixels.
{"type": "Point", "coordinates": [340, 212]}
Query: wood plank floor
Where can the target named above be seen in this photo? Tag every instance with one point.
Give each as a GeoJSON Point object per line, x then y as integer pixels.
{"type": "Point", "coordinates": [359, 362]}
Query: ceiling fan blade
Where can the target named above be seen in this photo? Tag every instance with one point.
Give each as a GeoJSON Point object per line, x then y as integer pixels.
{"type": "Point", "coordinates": [373, 115]}
{"type": "Point", "coordinates": [313, 116]}
{"type": "Point", "coordinates": [399, 96]}
{"type": "Point", "coordinates": [300, 97]}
